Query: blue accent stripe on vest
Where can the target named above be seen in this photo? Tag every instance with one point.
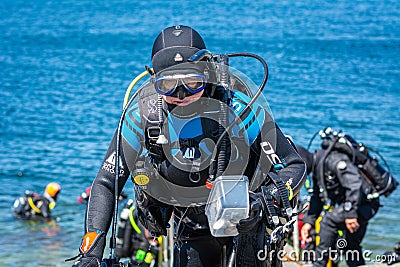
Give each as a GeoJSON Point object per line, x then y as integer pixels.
{"type": "Point", "coordinates": [252, 123]}
{"type": "Point", "coordinates": [131, 136]}
{"type": "Point", "coordinates": [133, 118]}
{"type": "Point", "coordinates": [132, 130]}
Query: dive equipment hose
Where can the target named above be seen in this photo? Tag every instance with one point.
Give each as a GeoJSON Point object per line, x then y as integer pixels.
{"type": "Point", "coordinates": [132, 84]}
{"type": "Point", "coordinates": [249, 104]}
{"type": "Point", "coordinates": [117, 156]}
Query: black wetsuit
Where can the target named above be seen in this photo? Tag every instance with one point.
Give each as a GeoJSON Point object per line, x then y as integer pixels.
{"type": "Point", "coordinates": [345, 187]}
{"type": "Point", "coordinates": [188, 135]}
{"type": "Point", "coordinates": [33, 205]}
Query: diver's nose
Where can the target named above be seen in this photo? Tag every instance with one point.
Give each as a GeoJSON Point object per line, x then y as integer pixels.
{"type": "Point", "coordinates": [181, 93]}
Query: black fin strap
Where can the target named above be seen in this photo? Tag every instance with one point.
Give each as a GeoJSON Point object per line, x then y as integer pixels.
{"type": "Point", "coordinates": [273, 215]}
{"type": "Point", "coordinates": [282, 193]}
{"type": "Point", "coordinates": [285, 198]}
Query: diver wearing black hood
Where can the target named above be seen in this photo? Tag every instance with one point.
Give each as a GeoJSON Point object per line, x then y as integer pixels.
{"type": "Point", "coordinates": [168, 138]}
{"type": "Point", "coordinates": [350, 212]}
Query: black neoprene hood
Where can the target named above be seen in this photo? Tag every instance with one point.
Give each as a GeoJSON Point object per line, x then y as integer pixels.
{"type": "Point", "coordinates": [174, 45]}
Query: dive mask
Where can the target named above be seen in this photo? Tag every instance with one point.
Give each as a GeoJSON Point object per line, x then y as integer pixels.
{"type": "Point", "coordinates": [192, 82]}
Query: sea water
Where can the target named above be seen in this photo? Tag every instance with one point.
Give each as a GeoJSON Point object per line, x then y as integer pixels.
{"type": "Point", "coordinates": [65, 66]}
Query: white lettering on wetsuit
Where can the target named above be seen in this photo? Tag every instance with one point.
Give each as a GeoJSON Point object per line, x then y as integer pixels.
{"type": "Point", "coordinates": [270, 152]}
{"type": "Point", "coordinates": [109, 165]}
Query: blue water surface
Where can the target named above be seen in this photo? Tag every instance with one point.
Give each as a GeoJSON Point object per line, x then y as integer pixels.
{"type": "Point", "coordinates": [65, 66]}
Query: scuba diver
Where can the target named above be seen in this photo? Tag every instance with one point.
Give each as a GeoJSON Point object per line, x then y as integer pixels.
{"type": "Point", "coordinates": [193, 126]}
{"type": "Point", "coordinates": [346, 184]}
{"type": "Point", "coordinates": [84, 196]}
{"type": "Point", "coordinates": [392, 257]}
{"type": "Point", "coordinates": [36, 206]}
{"type": "Point", "coordinates": [133, 240]}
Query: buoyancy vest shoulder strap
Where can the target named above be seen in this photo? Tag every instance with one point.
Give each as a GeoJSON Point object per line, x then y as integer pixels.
{"type": "Point", "coordinates": [33, 206]}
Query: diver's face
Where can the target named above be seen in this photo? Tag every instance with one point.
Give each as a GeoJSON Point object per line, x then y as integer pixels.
{"type": "Point", "coordinates": [187, 100]}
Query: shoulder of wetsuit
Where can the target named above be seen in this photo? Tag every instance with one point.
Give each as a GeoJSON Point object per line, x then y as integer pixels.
{"type": "Point", "coordinates": [337, 161]}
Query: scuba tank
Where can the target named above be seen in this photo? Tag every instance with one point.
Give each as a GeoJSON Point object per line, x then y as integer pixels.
{"type": "Point", "coordinates": [123, 247]}
{"type": "Point", "coordinates": [131, 241]}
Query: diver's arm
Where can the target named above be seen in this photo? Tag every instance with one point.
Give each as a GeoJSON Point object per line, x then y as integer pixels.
{"type": "Point", "coordinates": [280, 166]}
{"type": "Point", "coordinates": [265, 136]}
{"type": "Point", "coordinates": [102, 197]}
{"type": "Point", "coordinates": [45, 208]}
{"type": "Point", "coordinates": [350, 179]}
{"type": "Point", "coordinates": [41, 204]}
{"type": "Point", "coordinates": [272, 199]}
{"type": "Point", "coordinates": [100, 207]}
{"type": "Point", "coordinates": [278, 156]}
{"type": "Point", "coordinates": [294, 171]}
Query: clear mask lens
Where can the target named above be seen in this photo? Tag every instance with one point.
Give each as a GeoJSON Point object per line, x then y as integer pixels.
{"type": "Point", "coordinates": [166, 85]}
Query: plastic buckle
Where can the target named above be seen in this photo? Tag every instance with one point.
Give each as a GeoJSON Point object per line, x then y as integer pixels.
{"type": "Point", "coordinates": [153, 132]}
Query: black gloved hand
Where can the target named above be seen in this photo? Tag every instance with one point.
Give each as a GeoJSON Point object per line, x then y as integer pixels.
{"type": "Point", "coordinates": [87, 262]}
{"type": "Point", "coordinates": [153, 214]}
{"type": "Point", "coordinates": [267, 205]}
{"type": "Point", "coordinates": [150, 223]}
{"type": "Point", "coordinates": [255, 214]}
{"type": "Point", "coordinates": [91, 249]}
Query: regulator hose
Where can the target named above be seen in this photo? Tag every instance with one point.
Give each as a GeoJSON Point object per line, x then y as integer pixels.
{"type": "Point", "coordinates": [239, 116]}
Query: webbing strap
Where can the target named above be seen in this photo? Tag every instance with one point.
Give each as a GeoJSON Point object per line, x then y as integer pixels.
{"type": "Point", "coordinates": [33, 206]}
